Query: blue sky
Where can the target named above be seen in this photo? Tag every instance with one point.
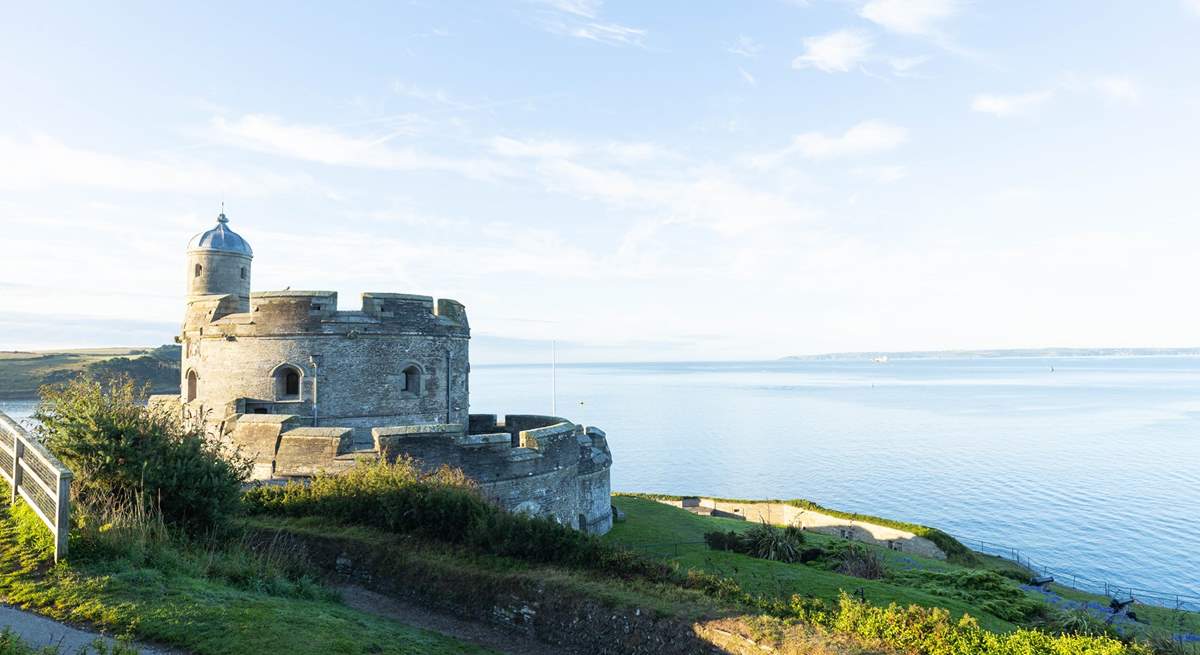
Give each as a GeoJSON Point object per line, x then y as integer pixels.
{"type": "Point", "coordinates": [638, 180]}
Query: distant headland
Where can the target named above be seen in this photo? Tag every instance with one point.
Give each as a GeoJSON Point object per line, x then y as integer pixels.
{"type": "Point", "coordinates": [998, 354]}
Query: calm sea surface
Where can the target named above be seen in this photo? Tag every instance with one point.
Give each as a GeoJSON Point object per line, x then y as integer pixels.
{"type": "Point", "coordinates": [1088, 464]}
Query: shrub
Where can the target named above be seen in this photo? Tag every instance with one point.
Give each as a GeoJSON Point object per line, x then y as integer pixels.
{"type": "Point", "coordinates": [916, 629]}
{"type": "Point", "coordinates": [769, 542]}
{"type": "Point", "coordinates": [1079, 622]}
{"type": "Point", "coordinates": [860, 562]}
{"type": "Point", "coordinates": [812, 555]}
{"type": "Point", "coordinates": [986, 589]}
{"type": "Point", "coordinates": [125, 453]}
{"type": "Point", "coordinates": [723, 540]}
{"type": "Point", "coordinates": [763, 541]}
{"type": "Point", "coordinates": [445, 506]}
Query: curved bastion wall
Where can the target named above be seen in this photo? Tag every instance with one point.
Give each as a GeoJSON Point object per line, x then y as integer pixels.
{"type": "Point", "coordinates": [539, 465]}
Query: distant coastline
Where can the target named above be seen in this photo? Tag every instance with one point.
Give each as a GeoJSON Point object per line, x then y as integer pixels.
{"type": "Point", "coordinates": [1000, 353]}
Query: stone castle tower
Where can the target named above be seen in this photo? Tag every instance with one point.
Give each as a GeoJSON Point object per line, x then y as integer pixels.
{"type": "Point", "coordinates": [302, 386]}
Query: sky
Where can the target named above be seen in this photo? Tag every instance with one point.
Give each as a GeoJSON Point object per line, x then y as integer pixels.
{"type": "Point", "coordinates": [697, 179]}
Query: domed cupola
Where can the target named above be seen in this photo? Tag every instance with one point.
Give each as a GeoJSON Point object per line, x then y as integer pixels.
{"type": "Point", "coordinates": [219, 264]}
{"type": "Point", "coordinates": [222, 239]}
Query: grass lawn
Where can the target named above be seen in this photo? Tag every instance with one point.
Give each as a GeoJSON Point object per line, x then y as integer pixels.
{"type": "Point", "coordinates": [179, 599]}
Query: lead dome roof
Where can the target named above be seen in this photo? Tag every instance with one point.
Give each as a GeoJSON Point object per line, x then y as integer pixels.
{"type": "Point", "coordinates": [221, 239]}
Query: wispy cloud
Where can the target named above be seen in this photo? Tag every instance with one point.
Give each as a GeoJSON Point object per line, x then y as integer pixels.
{"type": "Point", "coordinates": [581, 19]}
{"type": "Point", "coordinates": [706, 196]}
{"type": "Point", "coordinates": [1117, 88]}
{"type": "Point", "coordinates": [1192, 6]}
{"type": "Point", "coordinates": [747, 47]}
{"type": "Point", "coordinates": [42, 162]}
{"type": "Point", "coordinates": [326, 145]}
{"type": "Point", "coordinates": [1004, 106]}
{"type": "Point", "coordinates": [836, 52]}
{"type": "Point", "coordinates": [864, 138]}
{"type": "Point", "coordinates": [904, 66]}
{"type": "Point", "coordinates": [916, 17]}
{"type": "Point", "coordinates": [750, 79]}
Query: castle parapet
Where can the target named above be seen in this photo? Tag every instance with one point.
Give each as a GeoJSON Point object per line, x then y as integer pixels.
{"type": "Point", "coordinates": [292, 309]}
{"type": "Point", "coordinates": [202, 310]}
{"type": "Point", "coordinates": [410, 308]}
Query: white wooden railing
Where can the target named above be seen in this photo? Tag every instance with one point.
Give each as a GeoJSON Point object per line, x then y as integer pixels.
{"type": "Point", "coordinates": [38, 477]}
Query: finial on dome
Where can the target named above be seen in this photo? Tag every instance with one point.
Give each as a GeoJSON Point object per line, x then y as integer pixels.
{"type": "Point", "coordinates": [221, 217]}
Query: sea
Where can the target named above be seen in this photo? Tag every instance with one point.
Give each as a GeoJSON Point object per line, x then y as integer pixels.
{"type": "Point", "coordinates": [1089, 466]}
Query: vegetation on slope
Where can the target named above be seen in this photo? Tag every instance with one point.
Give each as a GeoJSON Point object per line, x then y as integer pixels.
{"type": "Point", "coordinates": [954, 549]}
{"type": "Point", "coordinates": [156, 554]}
{"type": "Point", "coordinates": [23, 373]}
{"type": "Point", "coordinates": [994, 600]}
{"type": "Point", "coordinates": [444, 508]}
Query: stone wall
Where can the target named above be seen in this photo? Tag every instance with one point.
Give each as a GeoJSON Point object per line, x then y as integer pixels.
{"type": "Point", "coordinates": [559, 471]}
{"type": "Point", "coordinates": [351, 364]}
{"type": "Point", "coordinates": [784, 514]}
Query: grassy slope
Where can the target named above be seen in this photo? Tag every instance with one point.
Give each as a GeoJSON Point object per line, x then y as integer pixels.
{"type": "Point", "coordinates": [664, 600]}
{"type": "Point", "coordinates": [21, 373]}
{"type": "Point", "coordinates": [650, 522]}
{"type": "Point", "coordinates": [203, 615]}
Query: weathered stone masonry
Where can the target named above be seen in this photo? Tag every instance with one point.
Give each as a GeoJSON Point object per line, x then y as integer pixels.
{"type": "Point", "coordinates": [302, 387]}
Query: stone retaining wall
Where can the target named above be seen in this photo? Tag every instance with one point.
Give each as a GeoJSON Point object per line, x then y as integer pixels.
{"type": "Point", "coordinates": [784, 514]}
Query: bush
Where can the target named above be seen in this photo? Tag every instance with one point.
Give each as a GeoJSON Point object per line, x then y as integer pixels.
{"type": "Point", "coordinates": [723, 541]}
{"type": "Point", "coordinates": [769, 542]}
{"type": "Point", "coordinates": [1079, 622]}
{"type": "Point", "coordinates": [916, 629]}
{"type": "Point", "coordinates": [860, 562]}
{"type": "Point", "coordinates": [763, 541]}
{"type": "Point", "coordinates": [987, 589]}
{"type": "Point", "coordinates": [127, 454]}
{"type": "Point", "coordinates": [445, 507]}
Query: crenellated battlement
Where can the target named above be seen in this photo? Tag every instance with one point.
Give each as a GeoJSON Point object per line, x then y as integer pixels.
{"type": "Point", "coordinates": [290, 311]}
{"type": "Point", "coordinates": [516, 438]}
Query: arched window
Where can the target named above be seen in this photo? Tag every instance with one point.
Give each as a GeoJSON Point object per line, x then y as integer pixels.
{"type": "Point", "coordinates": [192, 383]}
{"type": "Point", "coordinates": [412, 379]}
{"type": "Point", "coordinates": [287, 383]}
{"type": "Point", "coordinates": [198, 269]}
{"type": "Point", "coordinates": [243, 272]}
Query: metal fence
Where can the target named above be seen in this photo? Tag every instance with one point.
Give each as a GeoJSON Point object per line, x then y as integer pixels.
{"type": "Point", "coordinates": [1161, 598]}
{"type": "Point", "coordinates": [38, 477]}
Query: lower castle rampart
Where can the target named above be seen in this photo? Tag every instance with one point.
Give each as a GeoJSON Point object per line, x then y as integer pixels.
{"type": "Point", "coordinates": [540, 465]}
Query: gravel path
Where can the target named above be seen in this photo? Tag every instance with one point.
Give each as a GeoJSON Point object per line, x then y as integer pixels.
{"type": "Point", "coordinates": [38, 631]}
{"type": "Point", "coordinates": [482, 634]}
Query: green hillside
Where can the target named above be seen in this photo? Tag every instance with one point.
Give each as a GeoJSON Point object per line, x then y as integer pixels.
{"type": "Point", "coordinates": [21, 373]}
